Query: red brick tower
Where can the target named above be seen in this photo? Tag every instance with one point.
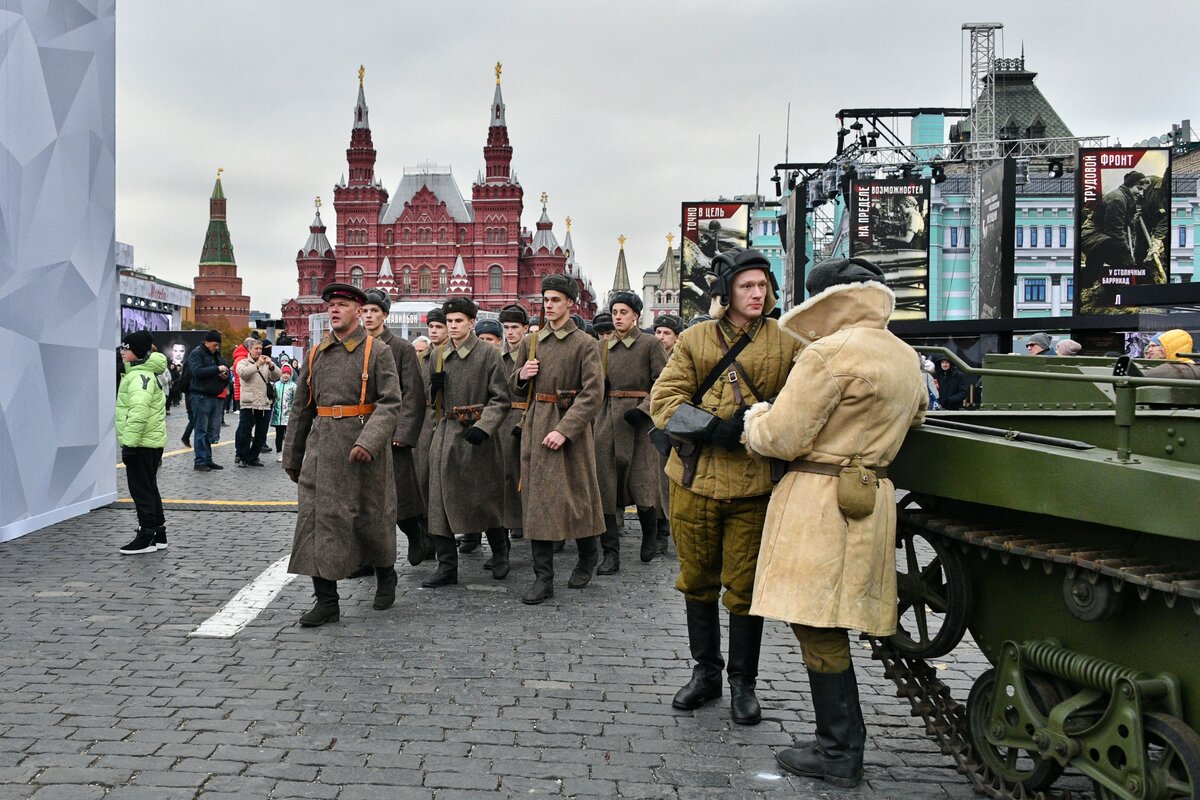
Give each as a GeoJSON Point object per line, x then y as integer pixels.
{"type": "Point", "coordinates": [218, 287]}
{"type": "Point", "coordinates": [497, 200]}
{"type": "Point", "coordinates": [315, 266]}
{"type": "Point", "coordinates": [357, 204]}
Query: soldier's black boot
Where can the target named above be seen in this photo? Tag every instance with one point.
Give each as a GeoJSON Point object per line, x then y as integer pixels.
{"type": "Point", "coordinates": [543, 573]}
{"type": "Point", "coordinates": [385, 588]}
{"type": "Point", "coordinates": [418, 548]}
{"type": "Point", "coordinates": [610, 541]}
{"type": "Point", "coordinates": [447, 558]}
{"type": "Point", "coordinates": [648, 517]}
{"type": "Point", "coordinates": [836, 756]}
{"type": "Point", "coordinates": [498, 542]}
{"type": "Point", "coordinates": [470, 542]}
{"type": "Point", "coordinates": [588, 548]}
{"type": "Point", "coordinates": [516, 533]}
{"type": "Point", "coordinates": [326, 608]}
{"type": "Point", "coordinates": [704, 638]}
{"type": "Point", "coordinates": [664, 535]}
{"type": "Point", "coordinates": [745, 641]}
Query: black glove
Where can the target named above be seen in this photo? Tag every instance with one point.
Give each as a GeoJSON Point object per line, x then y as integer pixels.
{"type": "Point", "coordinates": [729, 432]}
{"type": "Point", "coordinates": [475, 436]}
{"type": "Point", "coordinates": [634, 416]}
{"type": "Point", "coordinates": [437, 382]}
{"type": "Point", "coordinates": [516, 432]}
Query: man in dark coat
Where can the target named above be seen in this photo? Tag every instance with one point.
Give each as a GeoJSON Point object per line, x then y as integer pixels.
{"type": "Point", "coordinates": [560, 379]}
{"type": "Point", "coordinates": [470, 394]}
{"type": "Point", "coordinates": [435, 322]}
{"type": "Point", "coordinates": [627, 464]}
{"type": "Point", "coordinates": [208, 376]}
{"type": "Point", "coordinates": [515, 322]}
{"type": "Point", "coordinates": [410, 500]}
{"type": "Point", "coordinates": [952, 386]}
{"type": "Point", "coordinates": [338, 449]}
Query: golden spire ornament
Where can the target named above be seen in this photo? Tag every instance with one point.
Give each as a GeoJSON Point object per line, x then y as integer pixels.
{"type": "Point", "coordinates": [670, 240]}
{"type": "Point", "coordinates": [219, 171]}
{"type": "Point", "coordinates": [545, 199]}
{"type": "Point", "coordinates": [361, 71]}
{"type": "Point", "coordinates": [568, 223]}
{"type": "Point", "coordinates": [621, 240]}
{"type": "Point", "coordinates": [317, 202]}
{"type": "Point", "coordinates": [499, 68]}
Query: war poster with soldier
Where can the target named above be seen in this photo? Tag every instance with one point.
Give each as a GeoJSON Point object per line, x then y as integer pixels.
{"type": "Point", "coordinates": [1122, 224]}
{"type": "Point", "coordinates": [709, 229]}
{"type": "Point", "coordinates": [889, 226]}
{"type": "Point", "coordinates": [997, 226]}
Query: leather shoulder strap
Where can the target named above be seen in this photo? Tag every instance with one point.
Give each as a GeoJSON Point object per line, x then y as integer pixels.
{"type": "Point", "coordinates": [362, 395]}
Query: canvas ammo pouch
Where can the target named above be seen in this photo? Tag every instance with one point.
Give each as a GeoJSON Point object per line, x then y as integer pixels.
{"type": "Point", "coordinates": [856, 489]}
{"type": "Point", "coordinates": [467, 415]}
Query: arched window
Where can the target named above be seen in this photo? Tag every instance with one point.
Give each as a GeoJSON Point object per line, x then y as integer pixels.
{"type": "Point", "coordinates": [442, 235]}
{"type": "Point", "coordinates": [356, 277]}
{"type": "Point", "coordinates": [502, 234]}
{"type": "Point", "coordinates": [314, 285]}
{"type": "Point", "coordinates": [389, 236]}
{"type": "Point", "coordinates": [407, 279]}
{"type": "Point", "coordinates": [424, 235]}
{"type": "Point", "coordinates": [406, 235]}
{"type": "Point", "coordinates": [442, 279]}
{"type": "Point", "coordinates": [462, 235]}
{"type": "Point", "coordinates": [495, 279]}
{"type": "Point", "coordinates": [423, 280]}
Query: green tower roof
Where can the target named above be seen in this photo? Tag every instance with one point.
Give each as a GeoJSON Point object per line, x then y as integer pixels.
{"type": "Point", "coordinates": [218, 193]}
{"type": "Point", "coordinates": [218, 248]}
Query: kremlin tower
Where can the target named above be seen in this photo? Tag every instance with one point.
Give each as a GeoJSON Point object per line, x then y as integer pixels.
{"type": "Point", "coordinates": [218, 287]}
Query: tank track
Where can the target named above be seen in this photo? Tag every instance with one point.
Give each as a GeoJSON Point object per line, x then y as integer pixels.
{"type": "Point", "coordinates": [916, 680]}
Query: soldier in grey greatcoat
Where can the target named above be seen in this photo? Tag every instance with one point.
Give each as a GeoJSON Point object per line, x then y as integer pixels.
{"type": "Point", "coordinates": [667, 328]}
{"type": "Point", "coordinates": [338, 449]}
{"type": "Point", "coordinates": [410, 500]}
{"type": "Point", "coordinates": [560, 378]}
{"type": "Point", "coordinates": [435, 322]}
{"type": "Point", "coordinates": [515, 322]}
{"type": "Point", "coordinates": [626, 462]}
{"type": "Point", "coordinates": [469, 392]}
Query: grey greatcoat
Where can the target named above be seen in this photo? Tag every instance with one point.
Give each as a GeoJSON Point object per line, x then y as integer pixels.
{"type": "Point", "coordinates": [560, 495]}
{"type": "Point", "coordinates": [627, 465]}
{"type": "Point", "coordinates": [511, 445]}
{"type": "Point", "coordinates": [347, 514]}
{"type": "Point", "coordinates": [466, 481]}
{"type": "Point", "coordinates": [410, 498]}
{"type": "Point", "coordinates": [421, 455]}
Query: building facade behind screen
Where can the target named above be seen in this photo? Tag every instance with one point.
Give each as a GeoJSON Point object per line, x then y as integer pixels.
{"type": "Point", "coordinates": [58, 281]}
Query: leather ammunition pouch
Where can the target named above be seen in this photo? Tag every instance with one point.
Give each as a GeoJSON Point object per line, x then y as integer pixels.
{"type": "Point", "coordinates": [466, 415]}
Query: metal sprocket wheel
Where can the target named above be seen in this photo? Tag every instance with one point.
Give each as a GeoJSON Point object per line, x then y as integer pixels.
{"type": "Point", "coordinates": [1028, 768]}
{"type": "Point", "coordinates": [1173, 759]}
{"type": "Point", "coordinates": [934, 595]}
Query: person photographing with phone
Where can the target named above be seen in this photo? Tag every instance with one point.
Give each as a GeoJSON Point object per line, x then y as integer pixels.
{"type": "Point", "coordinates": [257, 374]}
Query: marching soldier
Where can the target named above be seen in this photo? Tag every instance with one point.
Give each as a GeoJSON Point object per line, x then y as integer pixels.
{"type": "Point", "coordinates": [466, 464]}
{"type": "Point", "coordinates": [560, 379]}
{"type": "Point", "coordinates": [435, 323]}
{"type": "Point", "coordinates": [489, 331]}
{"type": "Point", "coordinates": [667, 328]}
{"type": "Point", "coordinates": [515, 322]}
{"type": "Point", "coordinates": [410, 501]}
{"type": "Point", "coordinates": [602, 325]}
{"type": "Point", "coordinates": [338, 449]}
{"type": "Point", "coordinates": [719, 494]}
{"type": "Point", "coordinates": [626, 463]}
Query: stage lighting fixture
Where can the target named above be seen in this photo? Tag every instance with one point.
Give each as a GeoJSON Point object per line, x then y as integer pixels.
{"type": "Point", "coordinates": [937, 173]}
{"type": "Point", "coordinates": [856, 126]}
{"type": "Point", "coordinates": [775, 179]}
{"type": "Point", "coordinates": [1055, 169]}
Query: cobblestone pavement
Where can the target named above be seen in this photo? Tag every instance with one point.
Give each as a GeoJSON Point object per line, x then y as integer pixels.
{"type": "Point", "coordinates": [453, 693]}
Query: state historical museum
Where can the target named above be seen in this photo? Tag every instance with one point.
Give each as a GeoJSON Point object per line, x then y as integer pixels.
{"type": "Point", "coordinates": [428, 243]}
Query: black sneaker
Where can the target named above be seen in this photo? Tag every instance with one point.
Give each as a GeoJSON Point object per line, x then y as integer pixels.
{"type": "Point", "coordinates": [200, 467]}
{"type": "Point", "coordinates": [142, 543]}
{"type": "Point", "coordinates": [211, 465]}
{"type": "Point", "coordinates": [240, 465]}
{"type": "Point", "coordinates": [237, 460]}
{"type": "Point", "coordinates": [254, 463]}
{"type": "Point", "coordinates": [186, 441]}
{"type": "Point", "coordinates": [160, 538]}
{"type": "Point", "coordinates": [266, 448]}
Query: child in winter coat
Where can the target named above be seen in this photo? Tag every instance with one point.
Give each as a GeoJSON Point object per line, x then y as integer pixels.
{"type": "Point", "coordinates": [141, 419]}
{"type": "Point", "coordinates": [285, 390]}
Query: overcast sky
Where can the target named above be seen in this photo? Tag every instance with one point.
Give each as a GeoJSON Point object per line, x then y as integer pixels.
{"type": "Point", "coordinates": [618, 109]}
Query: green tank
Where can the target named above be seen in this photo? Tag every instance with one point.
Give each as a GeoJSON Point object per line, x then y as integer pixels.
{"type": "Point", "coordinates": [1058, 525]}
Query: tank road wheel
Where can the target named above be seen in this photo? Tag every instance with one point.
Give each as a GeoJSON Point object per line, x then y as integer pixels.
{"type": "Point", "coordinates": [1029, 768]}
{"type": "Point", "coordinates": [934, 593]}
{"type": "Point", "coordinates": [1172, 759]}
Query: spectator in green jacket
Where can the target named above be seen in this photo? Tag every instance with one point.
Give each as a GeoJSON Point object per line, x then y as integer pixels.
{"type": "Point", "coordinates": [142, 433]}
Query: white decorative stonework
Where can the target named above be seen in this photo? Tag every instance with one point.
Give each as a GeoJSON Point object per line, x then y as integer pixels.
{"type": "Point", "coordinates": [59, 320]}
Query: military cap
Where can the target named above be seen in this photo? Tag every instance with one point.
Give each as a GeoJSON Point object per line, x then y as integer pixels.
{"type": "Point", "coordinates": [603, 322]}
{"type": "Point", "coordinates": [435, 315]}
{"type": "Point", "coordinates": [379, 298]}
{"type": "Point", "coordinates": [626, 298]}
{"type": "Point", "coordinates": [489, 326]}
{"type": "Point", "coordinates": [461, 305]}
{"type": "Point", "coordinates": [345, 291]}
{"type": "Point", "coordinates": [696, 320]}
{"type": "Point", "coordinates": [564, 284]}
{"type": "Point", "coordinates": [841, 271]}
{"type": "Point", "coordinates": [514, 313]}
{"type": "Point", "coordinates": [669, 321]}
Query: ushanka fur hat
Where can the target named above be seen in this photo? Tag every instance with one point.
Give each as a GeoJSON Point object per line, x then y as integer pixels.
{"type": "Point", "coordinates": [626, 298]}
{"type": "Point", "coordinates": [379, 298]}
{"type": "Point", "coordinates": [461, 305]}
{"type": "Point", "coordinates": [563, 284]}
{"type": "Point", "coordinates": [603, 322]}
{"type": "Point", "coordinates": [514, 313]}
{"type": "Point", "coordinates": [840, 271]}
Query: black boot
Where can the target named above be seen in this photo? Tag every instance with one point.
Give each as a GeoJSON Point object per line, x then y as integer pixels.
{"type": "Point", "coordinates": [470, 542]}
{"type": "Point", "coordinates": [385, 589]}
{"type": "Point", "coordinates": [649, 519]}
{"type": "Point", "coordinates": [704, 638]}
{"type": "Point", "coordinates": [581, 576]}
{"type": "Point", "coordinates": [836, 756]}
{"type": "Point", "coordinates": [418, 548]}
{"type": "Point", "coordinates": [664, 535]}
{"type": "Point", "coordinates": [559, 545]}
{"type": "Point", "coordinates": [498, 542]}
{"type": "Point", "coordinates": [610, 540]}
{"type": "Point", "coordinates": [745, 641]}
{"type": "Point", "coordinates": [447, 569]}
{"type": "Point", "coordinates": [326, 609]}
{"type": "Point", "coordinates": [543, 573]}
{"type": "Point", "coordinates": [143, 542]}
{"type": "Point", "coordinates": [516, 533]}
{"type": "Point", "coordinates": [365, 571]}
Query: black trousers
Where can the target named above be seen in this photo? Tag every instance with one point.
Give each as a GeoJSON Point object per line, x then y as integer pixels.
{"type": "Point", "coordinates": [280, 435]}
{"type": "Point", "coordinates": [251, 433]}
{"type": "Point", "coordinates": [141, 470]}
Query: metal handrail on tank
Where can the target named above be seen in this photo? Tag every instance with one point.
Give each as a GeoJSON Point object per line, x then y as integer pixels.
{"type": "Point", "coordinates": [1124, 386]}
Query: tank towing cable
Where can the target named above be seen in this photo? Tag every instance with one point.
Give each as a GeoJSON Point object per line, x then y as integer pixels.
{"type": "Point", "coordinates": [1010, 435]}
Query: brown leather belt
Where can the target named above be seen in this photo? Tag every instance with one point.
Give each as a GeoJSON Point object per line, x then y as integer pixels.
{"type": "Point", "coordinates": [520, 405]}
{"type": "Point", "coordinates": [546, 398]}
{"type": "Point", "coordinates": [340, 412]}
{"type": "Point", "coordinates": [833, 470]}
{"type": "Point", "coordinates": [624, 393]}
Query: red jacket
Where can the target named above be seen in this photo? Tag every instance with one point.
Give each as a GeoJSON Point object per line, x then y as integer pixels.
{"type": "Point", "coordinates": [239, 353]}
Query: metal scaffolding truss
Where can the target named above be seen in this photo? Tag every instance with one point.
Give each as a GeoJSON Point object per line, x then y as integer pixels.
{"type": "Point", "coordinates": [964, 152]}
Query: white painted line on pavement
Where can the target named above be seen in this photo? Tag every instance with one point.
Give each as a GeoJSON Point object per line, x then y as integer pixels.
{"type": "Point", "coordinates": [247, 603]}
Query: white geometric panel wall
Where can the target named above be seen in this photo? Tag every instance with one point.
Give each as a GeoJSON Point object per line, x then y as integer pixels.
{"type": "Point", "coordinates": [58, 284]}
